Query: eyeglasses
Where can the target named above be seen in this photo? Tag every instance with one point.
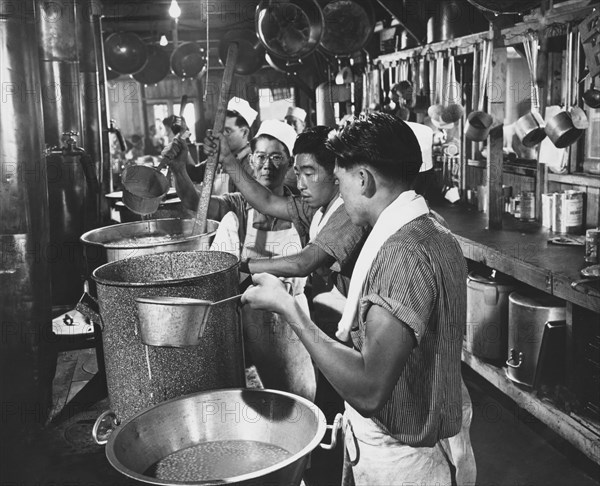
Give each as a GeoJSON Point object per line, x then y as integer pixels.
{"type": "Point", "coordinates": [276, 159]}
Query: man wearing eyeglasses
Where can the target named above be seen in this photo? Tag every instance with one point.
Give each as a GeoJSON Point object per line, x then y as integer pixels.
{"type": "Point", "coordinates": [281, 360]}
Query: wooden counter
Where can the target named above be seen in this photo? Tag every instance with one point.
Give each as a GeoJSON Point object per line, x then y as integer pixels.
{"type": "Point", "coordinates": [521, 249]}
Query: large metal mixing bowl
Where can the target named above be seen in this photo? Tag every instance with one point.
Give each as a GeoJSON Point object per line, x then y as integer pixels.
{"type": "Point", "coordinates": [214, 420]}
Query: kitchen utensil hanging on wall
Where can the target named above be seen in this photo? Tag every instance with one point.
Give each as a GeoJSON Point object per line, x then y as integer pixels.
{"type": "Point", "coordinates": [567, 125]}
{"type": "Point", "coordinates": [251, 52]}
{"type": "Point", "coordinates": [125, 52]}
{"type": "Point", "coordinates": [157, 67]}
{"type": "Point", "coordinates": [348, 26]}
{"type": "Point", "coordinates": [289, 29]}
{"type": "Point", "coordinates": [591, 96]}
{"type": "Point", "coordinates": [530, 127]}
{"type": "Point", "coordinates": [479, 122]}
{"type": "Point", "coordinates": [188, 60]}
{"type": "Point", "coordinates": [453, 110]}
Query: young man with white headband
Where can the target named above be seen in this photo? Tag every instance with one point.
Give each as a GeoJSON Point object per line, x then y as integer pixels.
{"type": "Point", "coordinates": [405, 315]}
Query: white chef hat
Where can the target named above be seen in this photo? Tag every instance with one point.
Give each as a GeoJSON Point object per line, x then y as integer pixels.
{"type": "Point", "coordinates": [279, 130]}
{"type": "Point", "coordinates": [243, 108]}
{"type": "Point", "coordinates": [297, 112]}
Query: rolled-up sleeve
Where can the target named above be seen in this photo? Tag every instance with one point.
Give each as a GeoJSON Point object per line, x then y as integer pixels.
{"type": "Point", "coordinates": [341, 239]}
{"type": "Point", "coordinates": [408, 291]}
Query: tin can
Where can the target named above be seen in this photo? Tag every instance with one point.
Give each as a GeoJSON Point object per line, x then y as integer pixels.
{"type": "Point", "coordinates": [527, 206]}
{"type": "Point", "coordinates": [592, 243]}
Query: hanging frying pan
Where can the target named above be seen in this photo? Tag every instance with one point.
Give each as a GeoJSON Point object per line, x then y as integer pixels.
{"type": "Point", "coordinates": [188, 60]}
{"type": "Point", "coordinates": [125, 52]}
{"type": "Point", "coordinates": [156, 68]}
{"type": "Point", "coordinates": [348, 26]}
{"type": "Point", "coordinates": [110, 74]}
{"type": "Point", "coordinates": [289, 29]}
{"type": "Point", "coordinates": [251, 53]}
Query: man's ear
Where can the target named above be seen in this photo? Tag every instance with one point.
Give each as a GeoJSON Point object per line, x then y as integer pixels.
{"type": "Point", "coordinates": [368, 185]}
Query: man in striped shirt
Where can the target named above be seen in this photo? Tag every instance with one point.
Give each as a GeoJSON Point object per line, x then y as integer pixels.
{"type": "Point", "coordinates": [405, 315]}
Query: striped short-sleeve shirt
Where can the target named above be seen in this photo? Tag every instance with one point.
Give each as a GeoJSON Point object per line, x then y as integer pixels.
{"type": "Point", "coordinates": [419, 276]}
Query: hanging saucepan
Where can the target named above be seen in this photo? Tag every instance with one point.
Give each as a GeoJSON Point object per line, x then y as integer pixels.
{"type": "Point", "coordinates": [125, 52]}
{"type": "Point", "coordinates": [479, 122]}
{"type": "Point", "coordinates": [156, 68]}
{"type": "Point", "coordinates": [289, 29]}
{"type": "Point", "coordinates": [530, 127]}
{"type": "Point", "coordinates": [591, 97]}
{"type": "Point", "coordinates": [568, 125]}
{"type": "Point", "coordinates": [188, 60]}
{"type": "Point", "coordinates": [348, 25]}
{"type": "Point", "coordinates": [251, 52]}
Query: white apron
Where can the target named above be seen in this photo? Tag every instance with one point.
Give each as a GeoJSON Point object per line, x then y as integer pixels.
{"type": "Point", "coordinates": [282, 361]}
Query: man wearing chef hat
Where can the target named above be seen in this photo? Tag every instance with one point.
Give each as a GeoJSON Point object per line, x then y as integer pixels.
{"type": "Point", "coordinates": [239, 118]}
{"type": "Point", "coordinates": [281, 359]}
{"type": "Point", "coordinates": [296, 118]}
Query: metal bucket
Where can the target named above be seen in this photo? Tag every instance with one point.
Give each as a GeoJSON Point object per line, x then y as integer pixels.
{"type": "Point", "coordinates": [139, 376]}
{"type": "Point", "coordinates": [126, 240]}
{"type": "Point", "coordinates": [527, 318]}
{"type": "Point", "coordinates": [144, 188]}
{"type": "Point", "coordinates": [247, 436]}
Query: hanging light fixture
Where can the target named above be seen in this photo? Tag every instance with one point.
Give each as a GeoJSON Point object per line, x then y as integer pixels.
{"type": "Point", "coordinates": [174, 9]}
{"type": "Point", "coordinates": [163, 40]}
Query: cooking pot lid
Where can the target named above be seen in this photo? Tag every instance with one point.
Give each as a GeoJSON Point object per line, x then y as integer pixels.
{"type": "Point", "coordinates": [125, 52]}
{"type": "Point", "coordinates": [348, 25]}
{"type": "Point", "coordinates": [497, 280]}
{"type": "Point", "coordinates": [536, 300]}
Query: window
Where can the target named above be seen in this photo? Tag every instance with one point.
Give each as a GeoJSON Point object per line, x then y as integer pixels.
{"type": "Point", "coordinates": [274, 102]}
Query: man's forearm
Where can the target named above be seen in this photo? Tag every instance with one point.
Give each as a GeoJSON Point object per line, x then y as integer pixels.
{"type": "Point", "coordinates": [185, 188]}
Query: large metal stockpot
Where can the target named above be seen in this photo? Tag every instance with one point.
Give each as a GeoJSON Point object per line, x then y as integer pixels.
{"type": "Point", "coordinates": [528, 318]}
{"type": "Point", "coordinates": [139, 376]}
{"type": "Point", "coordinates": [214, 429]}
{"type": "Point", "coordinates": [125, 240]}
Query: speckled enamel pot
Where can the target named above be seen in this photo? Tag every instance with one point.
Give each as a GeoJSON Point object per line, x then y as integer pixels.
{"type": "Point", "coordinates": [139, 376]}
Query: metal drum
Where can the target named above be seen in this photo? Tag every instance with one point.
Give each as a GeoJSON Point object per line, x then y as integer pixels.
{"type": "Point", "coordinates": [528, 315]}
{"type": "Point", "coordinates": [139, 376]}
{"type": "Point", "coordinates": [487, 316]}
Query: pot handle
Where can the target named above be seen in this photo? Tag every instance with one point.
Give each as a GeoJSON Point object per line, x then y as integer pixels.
{"type": "Point", "coordinates": [88, 306]}
{"type": "Point", "coordinates": [101, 436]}
{"type": "Point", "coordinates": [337, 425]}
{"type": "Point", "coordinates": [513, 357]}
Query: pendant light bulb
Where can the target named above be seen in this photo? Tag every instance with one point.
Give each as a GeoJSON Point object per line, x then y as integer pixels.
{"type": "Point", "coordinates": [174, 10]}
{"type": "Point", "coordinates": [163, 40]}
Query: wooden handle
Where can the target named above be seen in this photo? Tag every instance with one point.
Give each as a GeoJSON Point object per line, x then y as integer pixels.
{"type": "Point", "coordinates": [212, 161]}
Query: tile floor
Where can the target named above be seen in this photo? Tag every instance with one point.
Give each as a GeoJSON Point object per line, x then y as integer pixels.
{"type": "Point", "coordinates": [511, 447]}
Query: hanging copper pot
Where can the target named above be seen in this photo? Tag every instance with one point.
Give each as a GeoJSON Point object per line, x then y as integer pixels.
{"type": "Point", "coordinates": [188, 60]}
{"type": "Point", "coordinates": [348, 26]}
{"type": "Point", "coordinates": [125, 52]}
{"type": "Point", "coordinates": [251, 52]}
{"type": "Point", "coordinates": [289, 29]}
{"type": "Point", "coordinates": [156, 68]}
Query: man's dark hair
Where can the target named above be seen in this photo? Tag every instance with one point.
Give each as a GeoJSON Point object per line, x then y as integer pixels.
{"type": "Point", "coordinates": [240, 121]}
{"type": "Point", "coordinates": [381, 141]}
{"type": "Point", "coordinates": [313, 141]}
